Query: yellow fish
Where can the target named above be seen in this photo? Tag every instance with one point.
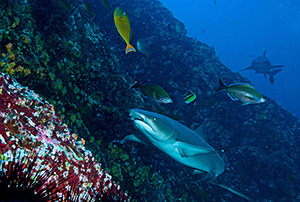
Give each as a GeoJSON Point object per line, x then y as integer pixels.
{"type": "Point", "coordinates": [123, 26]}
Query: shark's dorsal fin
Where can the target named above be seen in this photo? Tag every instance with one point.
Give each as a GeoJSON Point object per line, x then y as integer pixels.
{"type": "Point", "coordinates": [134, 139]}
{"type": "Point", "coordinates": [200, 130]}
{"type": "Point", "coordinates": [188, 150]}
{"type": "Point", "coordinates": [265, 52]}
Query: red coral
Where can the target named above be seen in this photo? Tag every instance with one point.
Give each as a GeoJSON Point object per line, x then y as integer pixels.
{"type": "Point", "coordinates": [27, 122]}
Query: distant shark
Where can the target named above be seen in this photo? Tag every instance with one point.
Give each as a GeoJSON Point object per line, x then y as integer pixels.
{"type": "Point", "coordinates": [176, 140]}
{"type": "Point", "coordinates": [263, 65]}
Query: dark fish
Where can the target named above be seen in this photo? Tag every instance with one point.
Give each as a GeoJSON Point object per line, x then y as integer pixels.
{"type": "Point", "coordinates": [88, 8]}
{"type": "Point", "coordinates": [153, 92]}
{"type": "Point", "coordinates": [106, 5]}
{"type": "Point", "coordinates": [189, 98]}
{"type": "Point", "coordinates": [143, 47]}
{"type": "Point", "coordinates": [180, 28]}
{"type": "Point", "coordinates": [65, 4]}
{"type": "Point", "coordinates": [123, 26]}
{"type": "Point", "coordinates": [243, 92]}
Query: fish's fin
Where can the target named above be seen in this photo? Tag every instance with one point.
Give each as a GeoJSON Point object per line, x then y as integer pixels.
{"type": "Point", "coordinates": [250, 97]}
{"type": "Point", "coordinates": [245, 103]}
{"type": "Point", "coordinates": [94, 15]}
{"type": "Point", "coordinates": [133, 138]}
{"type": "Point", "coordinates": [129, 48]}
{"type": "Point", "coordinates": [222, 86]}
{"type": "Point", "coordinates": [265, 52]}
{"type": "Point", "coordinates": [136, 84]}
{"type": "Point", "coordinates": [131, 36]}
{"type": "Point", "coordinates": [188, 150]}
{"type": "Point", "coordinates": [189, 91]}
{"type": "Point", "coordinates": [154, 95]}
{"type": "Point", "coordinates": [122, 40]}
{"type": "Point", "coordinates": [232, 97]}
{"type": "Point", "coordinates": [200, 130]}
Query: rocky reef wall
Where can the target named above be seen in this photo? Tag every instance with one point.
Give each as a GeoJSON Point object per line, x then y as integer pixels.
{"type": "Point", "coordinates": [79, 65]}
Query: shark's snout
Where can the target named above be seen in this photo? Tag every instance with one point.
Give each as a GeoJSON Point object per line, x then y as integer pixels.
{"type": "Point", "coordinates": [134, 114]}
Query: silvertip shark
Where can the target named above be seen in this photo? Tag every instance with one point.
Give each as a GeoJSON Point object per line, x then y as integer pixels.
{"type": "Point", "coordinates": [263, 65]}
{"type": "Point", "coordinates": [176, 140]}
{"type": "Point", "coordinates": [179, 142]}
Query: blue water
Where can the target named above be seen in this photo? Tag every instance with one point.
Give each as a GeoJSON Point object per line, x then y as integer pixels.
{"type": "Point", "coordinates": [241, 30]}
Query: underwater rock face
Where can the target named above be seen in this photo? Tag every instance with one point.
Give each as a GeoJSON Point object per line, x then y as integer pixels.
{"type": "Point", "coordinates": [30, 129]}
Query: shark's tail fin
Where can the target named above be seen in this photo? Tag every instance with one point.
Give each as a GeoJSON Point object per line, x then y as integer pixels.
{"type": "Point", "coordinates": [276, 66]}
{"type": "Point", "coordinates": [222, 86]}
{"type": "Point", "coordinates": [232, 191]}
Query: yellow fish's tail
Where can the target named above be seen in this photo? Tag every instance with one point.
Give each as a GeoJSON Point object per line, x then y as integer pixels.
{"type": "Point", "coordinates": [129, 48]}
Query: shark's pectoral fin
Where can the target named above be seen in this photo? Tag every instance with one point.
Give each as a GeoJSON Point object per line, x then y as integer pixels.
{"type": "Point", "coordinates": [134, 139]}
{"type": "Point", "coordinates": [276, 66]}
{"type": "Point", "coordinates": [247, 68]}
{"type": "Point", "coordinates": [188, 150]}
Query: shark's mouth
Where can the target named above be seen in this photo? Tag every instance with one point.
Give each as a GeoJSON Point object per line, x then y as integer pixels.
{"type": "Point", "coordinates": [139, 122]}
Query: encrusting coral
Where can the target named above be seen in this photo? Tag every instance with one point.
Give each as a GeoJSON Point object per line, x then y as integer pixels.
{"type": "Point", "coordinates": [29, 125]}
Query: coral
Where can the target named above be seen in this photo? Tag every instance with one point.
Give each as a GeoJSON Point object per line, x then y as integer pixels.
{"type": "Point", "coordinates": [29, 124]}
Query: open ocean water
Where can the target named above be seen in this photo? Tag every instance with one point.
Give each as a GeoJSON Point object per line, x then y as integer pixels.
{"type": "Point", "coordinates": [240, 31]}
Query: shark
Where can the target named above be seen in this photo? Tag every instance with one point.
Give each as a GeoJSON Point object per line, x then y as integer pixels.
{"type": "Point", "coordinates": [263, 65]}
{"type": "Point", "coordinates": [184, 145]}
